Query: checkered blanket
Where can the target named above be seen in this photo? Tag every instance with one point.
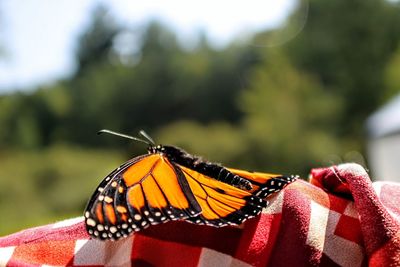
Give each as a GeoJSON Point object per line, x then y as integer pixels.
{"type": "Point", "coordinates": [339, 218]}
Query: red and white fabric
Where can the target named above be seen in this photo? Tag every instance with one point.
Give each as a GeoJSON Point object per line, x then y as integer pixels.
{"type": "Point", "coordinates": [339, 218]}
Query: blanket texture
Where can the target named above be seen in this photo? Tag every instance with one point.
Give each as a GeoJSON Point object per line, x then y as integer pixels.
{"type": "Point", "coordinates": [338, 218]}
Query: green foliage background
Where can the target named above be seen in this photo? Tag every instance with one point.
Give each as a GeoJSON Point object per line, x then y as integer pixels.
{"type": "Point", "coordinates": [283, 108]}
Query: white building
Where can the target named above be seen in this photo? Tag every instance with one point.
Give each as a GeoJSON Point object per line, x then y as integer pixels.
{"type": "Point", "coordinates": [384, 142]}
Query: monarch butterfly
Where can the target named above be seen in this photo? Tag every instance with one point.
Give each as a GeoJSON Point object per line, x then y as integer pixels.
{"type": "Point", "coordinates": [169, 184]}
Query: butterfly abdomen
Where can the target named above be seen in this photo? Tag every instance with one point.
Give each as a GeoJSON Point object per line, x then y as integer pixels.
{"type": "Point", "coordinates": [209, 169]}
{"type": "Point", "coordinates": [227, 177]}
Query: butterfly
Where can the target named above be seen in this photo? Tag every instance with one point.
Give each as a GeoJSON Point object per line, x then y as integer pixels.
{"type": "Point", "coordinates": [169, 184]}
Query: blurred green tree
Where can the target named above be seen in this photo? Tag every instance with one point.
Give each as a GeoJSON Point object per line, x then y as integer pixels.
{"type": "Point", "coordinates": [347, 45]}
{"type": "Point", "coordinates": [288, 125]}
{"type": "Point", "coordinates": [392, 76]}
{"type": "Point", "coordinates": [160, 83]}
{"type": "Point", "coordinates": [344, 51]}
{"type": "Point", "coordinates": [290, 119]}
{"type": "Point", "coordinates": [96, 42]}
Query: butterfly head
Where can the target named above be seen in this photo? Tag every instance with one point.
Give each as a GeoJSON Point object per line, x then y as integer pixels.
{"type": "Point", "coordinates": [171, 152]}
{"type": "Point", "coordinates": [156, 149]}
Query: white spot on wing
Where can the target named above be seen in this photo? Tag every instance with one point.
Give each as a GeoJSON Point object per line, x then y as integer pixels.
{"type": "Point", "coordinates": [91, 222]}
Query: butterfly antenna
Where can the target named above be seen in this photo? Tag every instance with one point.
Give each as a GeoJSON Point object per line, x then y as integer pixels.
{"type": "Point", "coordinates": [125, 136]}
{"type": "Point", "coordinates": [147, 137]}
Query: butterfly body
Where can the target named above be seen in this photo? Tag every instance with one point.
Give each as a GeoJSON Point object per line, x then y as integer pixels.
{"type": "Point", "coordinates": [169, 184]}
{"type": "Point", "coordinates": [218, 172]}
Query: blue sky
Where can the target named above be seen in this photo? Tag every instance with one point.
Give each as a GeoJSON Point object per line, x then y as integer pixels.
{"type": "Point", "coordinates": [39, 36]}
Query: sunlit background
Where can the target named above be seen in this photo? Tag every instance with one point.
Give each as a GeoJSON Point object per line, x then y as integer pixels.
{"type": "Point", "coordinates": [273, 86]}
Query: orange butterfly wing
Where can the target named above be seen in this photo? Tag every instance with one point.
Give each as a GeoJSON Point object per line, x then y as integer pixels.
{"type": "Point", "coordinates": [265, 184]}
{"type": "Point", "coordinates": [146, 190]}
{"type": "Point", "coordinates": [222, 204]}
